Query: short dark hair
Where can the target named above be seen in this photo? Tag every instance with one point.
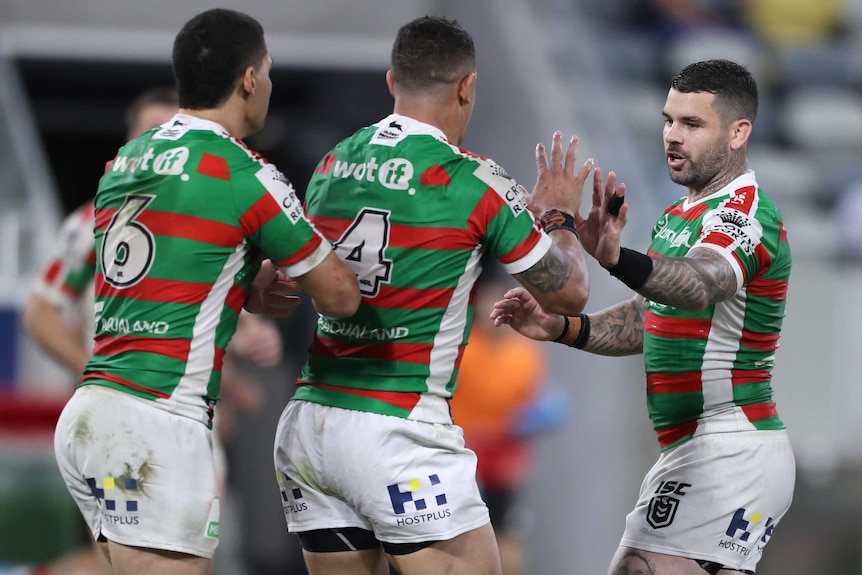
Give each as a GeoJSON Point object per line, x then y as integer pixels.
{"type": "Point", "coordinates": [734, 88]}
{"type": "Point", "coordinates": [211, 53]}
{"type": "Point", "coordinates": [160, 96]}
{"type": "Point", "coordinates": [431, 50]}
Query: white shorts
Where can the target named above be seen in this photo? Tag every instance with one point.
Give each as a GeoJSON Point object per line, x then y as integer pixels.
{"type": "Point", "coordinates": [716, 497]}
{"type": "Point", "coordinates": [407, 481]}
{"type": "Point", "coordinates": [140, 475]}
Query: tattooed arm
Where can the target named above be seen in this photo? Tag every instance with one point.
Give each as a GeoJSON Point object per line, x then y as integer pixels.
{"type": "Point", "coordinates": [701, 278]}
{"type": "Point", "coordinates": [559, 281]}
{"type": "Point", "coordinates": [615, 331]}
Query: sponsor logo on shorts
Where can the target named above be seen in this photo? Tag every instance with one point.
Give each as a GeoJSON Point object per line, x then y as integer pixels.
{"type": "Point", "coordinates": [212, 529]}
{"type": "Point", "coordinates": [420, 498]}
{"type": "Point", "coordinates": [292, 500]}
{"type": "Point", "coordinates": [740, 529]}
{"type": "Point", "coordinates": [113, 491]}
{"type": "Point", "coordinates": [662, 507]}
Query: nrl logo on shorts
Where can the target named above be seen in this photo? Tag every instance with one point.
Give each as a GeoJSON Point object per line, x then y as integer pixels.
{"type": "Point", "coordinates": [662, 510]}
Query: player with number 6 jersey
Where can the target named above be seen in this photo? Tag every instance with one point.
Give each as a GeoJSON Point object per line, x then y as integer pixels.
{"type": "Point", "coordinates": [183, 216]}
{"type": "Point", "coordinates": [190, 228]}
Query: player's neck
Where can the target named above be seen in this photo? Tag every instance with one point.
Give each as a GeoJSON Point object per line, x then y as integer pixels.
{"type": "Point", "coordinates": [431, 112]}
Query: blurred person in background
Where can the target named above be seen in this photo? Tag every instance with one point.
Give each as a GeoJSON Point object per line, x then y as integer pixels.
{"type": "Point", "coordinates": [503, 402]}
{"type": "Point", "coordinates": [184, 216]}
{"type": "Point", "coordinates": [369, 462]}
{"type": "Point", "coordinates": [709, 304]}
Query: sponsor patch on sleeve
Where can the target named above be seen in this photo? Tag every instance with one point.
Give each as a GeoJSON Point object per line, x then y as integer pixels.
{"type": "Point", "coordinates": [498, 180]}
{"type": "Point", "coordinates": [280, 188]}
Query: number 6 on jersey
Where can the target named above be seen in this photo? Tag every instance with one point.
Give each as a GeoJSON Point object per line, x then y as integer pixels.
{"type": "Point", "coordinates": [363, 246]}
{"type": "Point", "coordinates": [128, 247]}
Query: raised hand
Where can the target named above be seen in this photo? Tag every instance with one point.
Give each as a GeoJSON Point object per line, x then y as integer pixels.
{"type": "Point", "coordinates": [557, 185]}
{"type": "Point", "coordinates": [600, 232]}
{"type": "Point", "coordinates": [523, 313]}
{"type": "Point", "coordinates": [267, 292]}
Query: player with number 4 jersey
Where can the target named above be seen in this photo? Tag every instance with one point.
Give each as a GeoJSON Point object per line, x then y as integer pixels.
{"type": "Point", "coordinates": [368, 459]}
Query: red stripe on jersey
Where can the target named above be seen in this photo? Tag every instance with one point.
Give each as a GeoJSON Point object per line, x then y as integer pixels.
{"type": "Point", "coordinates": [191, 228]}
{"type": "Point", "coordinates": [758, 411]}
{"type": "Point", "coordinates": [435, 176]}
{"type": "Point", "coordinates": [458, 359]}
{"type": "Point", "coordinates": [214, 167]}
{"type": "Point", "coordinates": [312, 244]}
{"type": "Point", "coordinates": [761, 341]}
{"type": "Point", "coordinates": [404, 236]}
{"type": "Point", "coordinates": [236, 298]}
{"type": "Point", "coordinates": [676, 327]}
{"type": "Point", "coordinates": [782, 233]}
{"type": "Point", "coordinates": [326, 164]}
{"type": "Point", "coordinates": [684, 382]}
{"type": "Point", "coordinates": [743, 199]}
{"type": "Point", "coordinates": [125, 383]}
{"type": "Point", "coordinates": [690, 214]}
{"type": "Point", "coordinates": [151, 289]}
{"type": "Point", "coordinates": [744, 376]}
{"type": "Point", "coordinates": [773, 289]}
{"type": "Point", "coordinates": [411, 298]}
{"type": "Point", "coordinates": [409, 352]}
{"type": "Point", "coordinates": [404, 400]}
{"type": "Point", "coordinates": [671, 434]}
{"type": "Point", "coordinates": [717, 239]}
{"type": "Point", "coordinates": [218, 359]}
{"type": "Point", "coordinates": [521, 249]}
{"type": "Point", "coordinates": [488, 207]}
{"type": "Point", "coordinates": [260, 212]}
{"type": "Point", "coordinates": [52, 271]}
{"type": "Point", "coordinates": [763, 257]}
{"type": "Point", "coordinates": [180, 226]}
{"type": "Point", "coordinates": [175, 348]}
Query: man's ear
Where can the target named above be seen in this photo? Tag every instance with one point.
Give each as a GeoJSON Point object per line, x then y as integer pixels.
{"type": "Point", "coordinates": [390, 83]}
{"type": "Point", "coordinates": [739, 135]}
{"type": "Point", "coordinates": [466, 89]}
{"type": "Point", "coordinates": [248, 81]}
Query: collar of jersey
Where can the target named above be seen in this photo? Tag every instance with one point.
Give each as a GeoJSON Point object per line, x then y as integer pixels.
{"type": "Point", "coordinates": [413, 127]}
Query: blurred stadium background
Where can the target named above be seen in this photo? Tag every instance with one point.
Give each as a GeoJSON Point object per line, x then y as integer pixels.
{"type": "Point", "coordinates": [596, 68]}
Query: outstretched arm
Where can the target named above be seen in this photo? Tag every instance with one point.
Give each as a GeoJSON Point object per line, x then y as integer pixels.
{"type": "Point", "coordinates": [559, 281]}
{"type": "Point", "coordinates": [614, 331]}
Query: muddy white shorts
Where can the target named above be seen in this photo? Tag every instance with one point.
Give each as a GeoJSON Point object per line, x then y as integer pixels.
{"type": "Point", "coordinates": [140, 475]}
{"type": "Point", "coordinates": [716, 497]}
{"type": "Point", "coordinates": [407, 481]}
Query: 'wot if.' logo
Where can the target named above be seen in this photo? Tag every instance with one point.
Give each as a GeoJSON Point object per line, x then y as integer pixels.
{"type": "Point", "coordinates": [413, 488]}
{"type": "Point", "coordinates": [740, 523]}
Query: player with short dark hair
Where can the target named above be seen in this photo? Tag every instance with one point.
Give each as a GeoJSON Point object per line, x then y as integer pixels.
{"type": "Point", "coordinates": [184, 217]}
{"type": "Point", "coordinates": [707, 314]}
{"type": "Point", "coordinates": [369, 462]}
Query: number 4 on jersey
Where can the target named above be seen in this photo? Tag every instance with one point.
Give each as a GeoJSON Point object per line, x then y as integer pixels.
{"type": "Point", "coordinates": [363, 246]}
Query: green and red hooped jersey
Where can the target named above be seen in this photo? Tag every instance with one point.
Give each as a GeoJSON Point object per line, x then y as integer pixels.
{"type": "Point", "coordinates": [711, 371]}
{"type": "Point", "coordinates": [413, 215]}
{"type": "Point", "coordinates": [184, 213]}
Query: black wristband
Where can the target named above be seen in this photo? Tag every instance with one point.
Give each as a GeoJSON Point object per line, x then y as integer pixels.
{"type": "Point", "coordinates": [633, 268]}
{"type": "Point", "coordinates": [557, 220]}
{"type": "Point", "coordinates": [584, 334]}
{"type": "Point", "coordinates": [565, 329]}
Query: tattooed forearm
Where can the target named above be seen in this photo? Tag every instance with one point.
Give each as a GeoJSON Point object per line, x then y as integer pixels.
{"type": "Point", "coordinates": [634, 562]}
{"type": "Point", "coordinates": [550, 273]}
{"type": "Point", "coordinates": [618, 330]}
{"type": "Point", "coordinates": [701, 278]}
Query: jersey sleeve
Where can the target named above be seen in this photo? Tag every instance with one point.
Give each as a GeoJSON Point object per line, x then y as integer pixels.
{"type": "Point", "coordinates": [276, 223]}
{"type": "Point", "coordinates": [73, 263]}
{"type": "Point", "coordinates": [509, 229]}
{"type": "Point", "coordinates": [733, 230]}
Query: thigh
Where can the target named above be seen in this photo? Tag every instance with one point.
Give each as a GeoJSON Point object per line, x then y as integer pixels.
{"type": "Point", "coordinates": [126, 560]}
{"type": "Point", "coordinates": [141, 476]}
{"type": "Point", "coordinates": [717, 497]}
{"type": "Point", "coordinates": [629, 561]}
{"type": "Point", "coordinates": [472, 553]}
{"type": "Point", "coordinates": [408, 481]}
